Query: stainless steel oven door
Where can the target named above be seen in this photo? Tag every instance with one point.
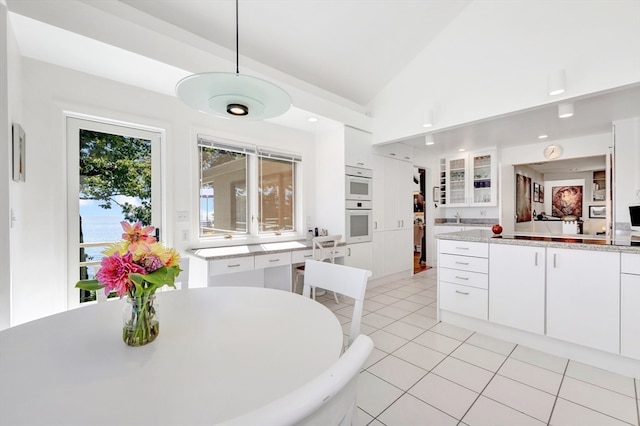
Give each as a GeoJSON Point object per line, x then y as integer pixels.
{"type": "Point", "coordinates": [359, 227]}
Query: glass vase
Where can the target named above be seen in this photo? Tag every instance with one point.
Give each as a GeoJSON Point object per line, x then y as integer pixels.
{"type": "Point", "coordinates": [140, 323]}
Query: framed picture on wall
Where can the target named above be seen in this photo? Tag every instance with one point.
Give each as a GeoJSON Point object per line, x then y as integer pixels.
{"type": "Point", "coordinates": [566, 201]}
{"type": "Point", "coordinates": [536, 192]}
{"type": "Point", "coordinates": [523, 198]}
{"type": "Point", "coordinates": [541, 194]}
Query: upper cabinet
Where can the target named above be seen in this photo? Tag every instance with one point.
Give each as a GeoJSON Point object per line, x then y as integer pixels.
{"type": "Point", "coordinates": [471, 179]}
{"type": "Point", "coordinates": [358, 150]}
{"type": "Point", "coordinates": [399, 151]}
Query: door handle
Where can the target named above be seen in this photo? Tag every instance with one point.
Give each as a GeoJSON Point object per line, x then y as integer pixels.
{"type": "Point", "coordinates": [554, 260]}
{"type": "Point", "coordinates": [535, 262]}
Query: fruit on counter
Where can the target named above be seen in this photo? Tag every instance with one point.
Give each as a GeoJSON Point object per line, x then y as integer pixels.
{"type": "Point", "coordinates": [497, 229]}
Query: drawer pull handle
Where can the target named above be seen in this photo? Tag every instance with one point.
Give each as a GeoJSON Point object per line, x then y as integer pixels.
{"type": "Point", "coordinates": [462, 248]}
{"type": "Point", "coordinates": [235, 265]}
{"type": "Point", "coordinates": [308, 255]}
{"type": "Point", "coordinates": [462, 278]}
{"type": "Point", "coordinates": [462, 263]}
{"type": "Point", "coordinates": [274, 260]}
{"type": "Point", "coordinates": [466, 293]}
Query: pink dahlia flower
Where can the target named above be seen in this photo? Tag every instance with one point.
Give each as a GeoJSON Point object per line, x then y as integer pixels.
{"type": "Point", "coordinates": [114, 273]}
{"type": "Point", "coordinates": [137, 235]}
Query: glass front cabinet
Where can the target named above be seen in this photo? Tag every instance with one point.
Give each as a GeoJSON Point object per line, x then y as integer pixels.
{"type": "Point", "coordinates": [471, 179]}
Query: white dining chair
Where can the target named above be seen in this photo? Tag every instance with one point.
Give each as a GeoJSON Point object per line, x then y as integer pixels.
{"type": "Point", "coordinates": [348, 281]}
{"type": "Point", "coordinates": [324, 249]}
{"type": "Point", "coordinates": [329, 399]}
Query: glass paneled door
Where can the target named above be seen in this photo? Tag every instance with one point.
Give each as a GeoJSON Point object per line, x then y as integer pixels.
{"type": "Point", "coordinates": [113, 176]}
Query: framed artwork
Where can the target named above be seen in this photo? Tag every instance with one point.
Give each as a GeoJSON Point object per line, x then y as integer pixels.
{"type": "Point", "coordinates": [536, 192]}
{"type": "Point", "coordinates": [566, 200]}
{"type": "Point", "coordinates": [523, 198]}
{"type": "Point", "coordinates": [19, 153]}
{"type": "Point", "coordinates": [597, 212]}
{"type": "Point", "coordinates": [541, 194]}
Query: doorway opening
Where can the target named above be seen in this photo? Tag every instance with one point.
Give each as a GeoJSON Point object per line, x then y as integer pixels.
{"type": "Point", "coordinates": [419, 221]}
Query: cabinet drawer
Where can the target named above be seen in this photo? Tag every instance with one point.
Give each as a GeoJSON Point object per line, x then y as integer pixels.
{"type": "Point", "coordinates": [464, 248]}
{"type": "Point", "coordinates": [464, 300]}
{"type": "Point", "coordinates": [630, 263]}
{"type": "Point", "coordinates": [339, 252]}
{"type": "Point", "coordinates": [473, 279]}
{"type": "Point", "coordinates": [299, 256]}
{"type": "Point", "coordinates": [270, 260]}
{"type": "Point", "coordinates": [465, 263]}
{"type": "Point", "coordinates": [231, 265]}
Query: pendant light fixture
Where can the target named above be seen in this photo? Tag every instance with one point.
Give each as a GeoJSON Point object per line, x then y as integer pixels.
{"type": "Point", "coordinates": [232, 95]}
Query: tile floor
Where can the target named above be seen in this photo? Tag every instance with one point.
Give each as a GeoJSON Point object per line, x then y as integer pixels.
{"type": "Point", "coordinates": [426, 373]}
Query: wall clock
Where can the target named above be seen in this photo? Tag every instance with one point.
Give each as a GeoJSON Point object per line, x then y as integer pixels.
{"type": "Point", "coordinates": [552, 152]}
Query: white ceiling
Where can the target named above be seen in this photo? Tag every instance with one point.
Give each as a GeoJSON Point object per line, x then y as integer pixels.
{"type": "Point", "coordinates": [351, 48]}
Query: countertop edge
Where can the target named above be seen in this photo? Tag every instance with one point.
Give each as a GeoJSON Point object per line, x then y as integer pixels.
{"type": "Point", "coordinates": [252, 250]}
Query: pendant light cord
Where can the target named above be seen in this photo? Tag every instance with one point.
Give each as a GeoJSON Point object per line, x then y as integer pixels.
{"type": "Point", "coordinates": [237, 43]}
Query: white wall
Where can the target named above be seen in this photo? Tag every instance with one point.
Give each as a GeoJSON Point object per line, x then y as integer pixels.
{"type": "Point", "coordinates": [627, 169]}
{"type": "Point", "coordinates": [496, 56]}
{"type": "Point", "coordinates": [39, 250]}
{"type": "Point", "coordinates": [330, 183]}
{"type": "Point", "coordinates": [5, 173]}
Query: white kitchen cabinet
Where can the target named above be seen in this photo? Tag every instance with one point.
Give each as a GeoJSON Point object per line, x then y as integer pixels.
{"type": "Point", "coordinates": [463, 277]}
{"type": "Point", "coordinates": [517, 286]}
{"type": "Point", "coordinates": [630, 305]}
{"type": "Point", "coordinates": [358, 150]}
{"type": "Point", "coordinates": [398, 151]}
{"type": "Point", "coordinates": [378, 254]}
{"type": "Point", "coordinates": [471, 179]}
{"type": "Point", "coordinates": [398, 194]}
{"type": "Point", "coordinates": [397, 251]}
{"type": "Point", "coordinates": [378, 194]}
{"type": "Point", "coordinates": [359, 255]}
{"type": "Point", "coordinates": [583, 297]}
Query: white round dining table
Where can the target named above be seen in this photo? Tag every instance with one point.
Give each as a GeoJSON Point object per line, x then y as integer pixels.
{"type": "Point", "coordinates": [221, 352]}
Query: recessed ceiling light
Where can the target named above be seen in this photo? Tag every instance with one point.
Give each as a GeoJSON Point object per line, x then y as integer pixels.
{"type": "Point", "coordinates": [565, 110]}
{"type": "Point", "coordinates": [312, 119]}
{"type": "Point", "coordinates": [429, 143]}
{"type": "Point", "coordinates": [543, 136]}
{"type": "Point", "coordinates": [428, 140]}
{"type": "Point", "coordinates": [461, 150]}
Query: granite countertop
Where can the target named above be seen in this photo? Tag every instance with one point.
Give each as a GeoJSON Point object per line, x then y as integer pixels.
{"type": "Point", "coordinates": [581, 242]}
{"type": "Point", "coordinates": [227, 252]}
{"type": "Point", "coordinates": [482, 222]}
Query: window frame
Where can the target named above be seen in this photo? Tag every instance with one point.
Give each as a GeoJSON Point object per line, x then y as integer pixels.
{"type": "Point", "coordinates": [253, 153]}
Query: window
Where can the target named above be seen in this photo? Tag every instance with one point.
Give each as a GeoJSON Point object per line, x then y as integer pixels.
{"type": "Point", "coordinates": [231, 175]}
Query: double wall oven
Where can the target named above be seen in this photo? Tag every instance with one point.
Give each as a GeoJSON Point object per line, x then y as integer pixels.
{"type": "Point", "coordinates": [359, 190]}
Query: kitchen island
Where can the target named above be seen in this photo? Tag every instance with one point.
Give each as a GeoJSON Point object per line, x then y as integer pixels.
{"type": "Point", "coordinates": [573, 296]}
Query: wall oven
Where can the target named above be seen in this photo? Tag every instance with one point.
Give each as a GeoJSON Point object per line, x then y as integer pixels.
{"type": "Point", "coordinates": [358, 184]}
{"type": "Point", "coordinates": [358, 221]}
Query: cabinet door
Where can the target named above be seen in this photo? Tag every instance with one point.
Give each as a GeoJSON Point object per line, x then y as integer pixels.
{"type": "Point", "coordinates": [482, 179]}
{"type": "Point", "coordinates": [379, 253]}
{"type": "Point", "coordinates": [583, 297]}
{"type": "Point", "coordinates": [457, 180]}
{"type": "Point", "coordinates": [359, 256]}
{"type": "Point", "coordinates": [516, 286]}
{"type": "Point", "coordinates": [630, 315]}
{"type": "Point", "coordinates": [404, 195]}
{"type": "Point", "coordinates": [358, 151]}
{"type": "Point", "coordinates": [391, 188]}
{"type": "Point", "coordinates": [378, 196]}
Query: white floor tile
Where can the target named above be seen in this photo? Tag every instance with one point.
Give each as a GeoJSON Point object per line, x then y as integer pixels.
{"type": "Point", "coordinates": [463, 373]}
{"type": "Point", "coordinates": [371, 305]}
{"type": "Point", "coordinates": [599, 399]}
{"type": "Point", "coordinates": [532, 375]}
{"type": "Point", "coordinates": [566, 413]}
{"type": "Point", "coordinates": [404, 330]}
{"type": "Point", "coordinates": [410, 411]}
{"type": "Point", "coordinates": [400, 293]}
{"type": "Point", "coordinates": [384, 299]}
{"type": "Point", "coordinates": [374, 394]}
{"type": "Point", "coordinates": [606, 379]}
{"type": "Point", "coordinates": [452, 331]}
{"type": "Point", "coordinates": [393, 312]}
{"type": "Point", "coordinates": [486, 412]}
{"type": "Point", "coordinates": [419, 320]}
{"type": "Point", "coordinates": [422, 300]}
{"type": "Point", "coordinates": [376, 320]}
{"type": "Point", "coordinates": [541, 359]}
{"type": "Point", "coordinates": [386, 341]}
{"type": "Point", "coordinates": [408, 305]}
{"type": "Point", "coordinates": [419, 355]}
{"type": "Point", "coordinates": [518, 396]}
{"type": "Point", "coordinates": [438, 342]}
{"type": "Point", "coordinates": [491, 343]}
{"type": "Point", "coordinates": [376, 355]}
{"type": "Point", "coordinates": [398, 372]}
{"type": "Point", "coordinates": [445, 395]}
{"type": "Point", "coordinates": [360, 418]}
{"type": "Point", "coordinates": [479, 357]}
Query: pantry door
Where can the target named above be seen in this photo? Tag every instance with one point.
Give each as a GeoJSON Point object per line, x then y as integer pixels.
{"type": "Point", "coordinates": [113, 175]}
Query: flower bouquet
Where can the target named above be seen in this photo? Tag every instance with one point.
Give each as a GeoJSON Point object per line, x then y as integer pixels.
{"type": "Point", "coordinates": [136, 267]}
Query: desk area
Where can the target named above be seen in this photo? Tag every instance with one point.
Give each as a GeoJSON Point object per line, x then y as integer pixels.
{"type": "Point", "coordinates": [264, 265]}
{"type": "Point", "coordinates": [221, 352]}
